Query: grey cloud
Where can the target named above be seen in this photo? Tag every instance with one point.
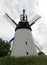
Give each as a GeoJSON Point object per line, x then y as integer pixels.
{"type": "Point", "coordinates": [45, 45]}
{"type": "Point", "coordinates": [15, 6]}
{"type": "Point", "coordinates": [42, 28]}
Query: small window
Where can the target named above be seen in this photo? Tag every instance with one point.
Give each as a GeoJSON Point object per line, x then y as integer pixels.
{"type": "Point", "coordinates": [27, 53]}
{"type": "Point", "coordinates": [26, 43]}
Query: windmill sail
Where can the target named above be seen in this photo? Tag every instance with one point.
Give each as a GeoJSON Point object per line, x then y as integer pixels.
{"type": "Point", "coordinates": [34, 19]}
{"type": "Point", "coordinates": [11, 39]}
{"type": "Point", "coordinates": [10, 20]}
{"type": "Point", "coordinates": [40, 47]}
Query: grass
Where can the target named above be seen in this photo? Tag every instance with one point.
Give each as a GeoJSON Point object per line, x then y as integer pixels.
{"type": "Point", "coordinates": [30, 60]}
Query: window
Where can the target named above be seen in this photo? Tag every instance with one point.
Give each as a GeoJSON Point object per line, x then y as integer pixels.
{"type": "Point", "coordinates": [26, 42]}
{"type": "Point", "coordinates": [27, 53]}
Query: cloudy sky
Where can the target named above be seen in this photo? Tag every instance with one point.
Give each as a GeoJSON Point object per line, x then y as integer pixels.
{"type": "Point", "coordinates": [32, 7]}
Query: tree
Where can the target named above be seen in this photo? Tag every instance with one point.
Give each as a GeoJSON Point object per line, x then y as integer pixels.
{"type": "Point", "coordinates": [4, 48]}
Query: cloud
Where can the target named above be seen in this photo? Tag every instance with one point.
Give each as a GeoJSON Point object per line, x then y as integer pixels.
{"type": "Point", "coordinates": [15, 7]}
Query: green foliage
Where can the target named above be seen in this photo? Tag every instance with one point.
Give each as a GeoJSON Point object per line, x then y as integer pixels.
{"type": "Point", "coordinates": [30, 60]}
{"type": "Point", "coordinates": [4, 48]}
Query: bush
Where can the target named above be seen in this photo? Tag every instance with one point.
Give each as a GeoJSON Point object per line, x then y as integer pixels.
{"type": "Point", "coordinates": [4, 48]}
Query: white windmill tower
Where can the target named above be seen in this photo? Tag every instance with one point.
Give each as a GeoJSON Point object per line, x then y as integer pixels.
{"type": "Point", "coordinates": [23, 44]}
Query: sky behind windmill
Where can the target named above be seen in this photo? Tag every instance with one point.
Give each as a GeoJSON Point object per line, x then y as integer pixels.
{"type": "Point", "coordinates": [32, 7]}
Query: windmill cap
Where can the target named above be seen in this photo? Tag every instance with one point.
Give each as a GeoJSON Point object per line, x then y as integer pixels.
{"type": "Point", "coordinates": [23, 17]}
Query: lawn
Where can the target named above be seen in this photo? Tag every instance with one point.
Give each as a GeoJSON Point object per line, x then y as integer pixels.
{"type": "Point", "coordinates": [30, 60]}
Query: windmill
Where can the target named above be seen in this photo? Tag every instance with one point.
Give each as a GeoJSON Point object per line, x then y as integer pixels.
{"type": "Point", "coordinates": [23, 44]}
